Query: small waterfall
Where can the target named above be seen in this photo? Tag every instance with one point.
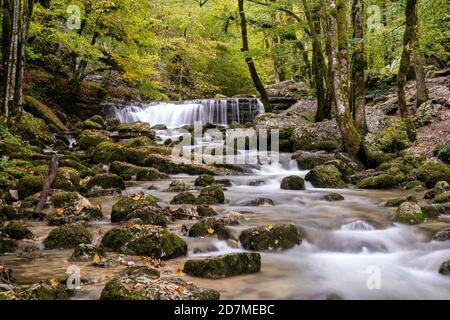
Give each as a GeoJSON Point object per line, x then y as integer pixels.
{"type": "Point", "coordinates": [358, 225]}
{"type": "Point", "coordinates": [220, 112]}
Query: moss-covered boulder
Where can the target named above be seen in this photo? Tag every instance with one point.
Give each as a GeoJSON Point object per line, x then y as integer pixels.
{"type": "Point", "coordinates": [86, 252]}
{"type": "Point", "coordinates": [7, 244]}
{"type": "Point", "coordinates": [184, 198]}
{"type": "Point", "coordinates": [40, 110]}
{"type": "Point", "coordinates": [83, 169]}
{"type": "Point", "coordinates": [96, 123]}
{"type": "Point", "coordinates": [397, 202]}
{"type": "Point", "coordinates": [179, 185]}
{"type": "Point", "coordinates": [166, 165]}
{"type": "Point", "coordinates": [132, 130]}
{"type": "Point", "coordinates": [381, 181]}
{"type": "Point", "coordinates": [126, 205]}
{"type": "Point", "coordinates": [432, 172]}
{"type": "Point", "coordinates": [442, 197]}
{"type": "Point", "coordinates": [34, 130]}
{"type": "Point", "coordinates": [393, 138]}
{"type": "Point", "coordinates": [259, 202]}
{"type": "Point", "coordinates": [443, 152]}
{"type": "Point", "coordinates": [206, 211]}
{"type": "Point", "coordinates": [443, 235]}
{"type": "Point", "coordinates": [45, 292]}
{"type": "Point", "coordinates": [293, 183]}
{"type": "Point", "coordinates": [154, 289]}
{"type": "Point", "coordinates": [17, 230]}
{"type": "Point", "coordinates": [213, 227]}
{"type": "Point", "coordinates": [444, 269]}
{"type": "Point", "coordinates": [212, 194]}
{"type": "Point", "coordinates": [224, 266]}
{"type": "Point", "coordinates": [433, 211]}
{"type": "Point", "coordinates": [63, 199]}
{"type": "Point", "coordinates": [148, 215]}
{"type": "Point", "coordinates": [30, 185]}
{"type": "Point", "coordinates": [67, 178]}
{"type": "Point", "coordinates": [129, 171]}
{"type": "Point", "coordinates": [332, 197]}
{"type": "Point", "coordinates": [409, 213]}
{"type": "Point", "coordinates": [326, 176]}
{"type": "Point", "coordinates": [67, 237]}
{"type": "Point", "coordinates": [308, 160]}
{"type": "Point", "coordinates": [145, 240]}
{"type": "Point", "coordinates": [271, 238]}
{"type": "Point", "coordinates": [88, 139]}
{"type": "Point", "coordinates": [440, 187]}
{"type": "Point", "coordinates": [106, 181]}
{"type": "Point", "coordinates": [204, 181]}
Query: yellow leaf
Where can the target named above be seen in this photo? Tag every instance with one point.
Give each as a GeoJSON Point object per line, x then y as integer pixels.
{"type": "Point", "coordinates": [269, 228]}
{"type": "Point", "coordinates": [60, 211]}
{"type": "Point", "coordinates": [53, 283]}
{"type": "Point", "coordinates": [210, 231]}
{"type": "Point", "coordinates": [96, 259]}
{"type": "Point", "coordinates": [180, 272]}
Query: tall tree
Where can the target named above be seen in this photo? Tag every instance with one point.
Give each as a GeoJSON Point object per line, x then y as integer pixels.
{"type": "Point", "coordinates": [251, 64]}
{"type": "Point", "coordinates": [358, 100]}
{"type": "Point", "coordinates": [16, 15]}
{"type": "Point", "coordinates": [338, 32]}
{"type": "Point", "coordinates": [409, 42]}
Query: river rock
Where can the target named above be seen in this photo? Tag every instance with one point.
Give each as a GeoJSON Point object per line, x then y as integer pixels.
{"type": "Point", "coordinates": [326, 176]}
{"type": "Point", "coordinates": [213, 226]}
{"type": "Point", "coordinates": [444, 269]}
{"type": "Point", "coordinates": [184, 198]}
{"type": "Point", "coordinates": [443, 152]}
{"type": "Point", "coordinates": [399, 201]}
{"type": "Point", "coordinates": [106, 181]}
{"type": "Point", "coordinates": [433, 211]}
{"type": "Point", "coordinates": [17, 230]}
{"type": "Point", "coordinates": [431, 172]}
{"type": "Point", "coordinates": [334, 197]}
{"type": "Point", "coordinates": [381, 181]}
{"type": "Point", "coordinates": [145, 285]}
{"type": "Point", "coordinates": [271, 238]}
{"type": "Point", "coordinates": [126, 205]}
{"type": "Point", "coordinates": [137, 129]}
{"type": "Point", "coordinates": [178, 186]}
{"type": "Point", "coordinates": [259, 202]}
{"type": "Point", "coordinates": [206, 211]}
{"type": "Point", "coordinates": [440, 187]}
{"type": "Point", "coordinates": [293, 183]}
{"type": "Point", "coordinates": [443, 235]}
{"type": "Point", "coordinates": [129, 171]}
{"type": "Point", "coordinates": [308, 160]}
{"type": "Point", "coordinates": [144, 240]}
{"type": "Point", "coordinates": [7, 244]}
{"type": "Point", "coordinates": [409, 213]}
{"type": "Point", "coordinates": [224, 266]}
{"type": "Point", "coordinates": [45, 291]}
{"type": "Point", "coordinates": [204, 181]}
{"type": "Point", "coordinates": [88, 139]}
{"type": "Point", "coordinates": [442, 198]}
{"type": "Point", "coordinates": [212, 194]}
{"type": "Point", "coordinates": [67, 236]}
{"type": "Point", "coordinates": [86, 252]}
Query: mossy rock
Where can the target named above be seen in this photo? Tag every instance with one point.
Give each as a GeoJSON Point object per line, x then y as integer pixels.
{"type": "Point", "coordinates": [397, 202]}
{"type": "Point", "coordinates": [432, 172]}
{"type": "Point", "coordinates": [443, 235]}
{"type": "Point", "coordinates": [86, 252]}
{"type": "Point", "coordinates": [382, 181]}
{"type": "Point", "coordinates": [40, 110]}
{"type": "Point", "coordinates": [64, 199]}
{"type": "Point", "coordinates": [129, 171]}
{"type": "Point", "coordinates": [204, 181]}
{"type": "Point", "coordinates": [440, 187]}
{"type": "Point", "coordinates": [308, 160]}
{"type": "Point", "coordinates": [442, 198]}
{"type": "Point", "coordinates": [132, 130]}
{"type": "Point", "coordinates": [7, 244]}
{"type": "Point", "coordinates": [145, 240]}
{"type": "Point", "coordinates": [409, 213]}
{"type": "Point", "coordinates": [444, 269]}
{"type": "Point", "coordinates": [213, 192]}
{"type": "Point", "coordinates": [17, 230]}
{"type": "Point", "coordinates": [67, 179]}
{"type": "Point", "coordinates": [34, 129]}
{"type": "Point", "coordinates": [393, 138]}
{"type": "Point", "coordinates": [126, 205]}
{"type": "Point", "coordinates": [443, 152]}
{"type": "Point", "coordinates": [155, 289]}
{"type": "Point", "coordinates": [212, 227]}
{"type": "Point", "coordinates": [271, 238]}
{"type": "Point", "coordinates": [148, 215]}
{"type": "Point", "coordinates": [224, 266]}
{"type": "Point", "coordinates": [183, 198]}
{"type": "Point", "coordinates": [106, 181]}
{"type": "Point", "coordinates": [67, 237]}
{"type": "Point", "coordinates": [206, 211]}
{"type": "Point", "coordinates": [30, 185]}
{"type": "Point", "coordinates": [333, 197]}
{"type": "Point", "coordinates": [166, 165]}
{"type": "Point", "coordinates": [326, 176]}
{"type": "Point", "coordinates": [92, 125]}
{"type": "Point", "coordinates": [99, 119]}
{"type": "Point", "coordinates": [45, 292]}
{"type": "Point", "coordinates": [88, 139]}
{"type": "Point", "coordinates": [433, 211]}
{"type": "Point", "coordinates": [293, 183]}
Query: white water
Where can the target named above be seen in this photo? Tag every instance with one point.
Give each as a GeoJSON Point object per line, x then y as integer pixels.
{"type": "Point", "coordinates": [176, 115]}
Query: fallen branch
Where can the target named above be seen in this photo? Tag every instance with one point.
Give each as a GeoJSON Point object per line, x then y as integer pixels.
{"type": "Point", "coordinates": [47, 185]}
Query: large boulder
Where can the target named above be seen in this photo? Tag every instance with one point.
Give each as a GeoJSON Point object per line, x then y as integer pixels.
{"type": "Point", "coordinates": [144, 240]}
{"type": "Point", "coordinates": [212, 194]}
{"type": "Point", "coordinates": [443, 152]}
{"type": "Point", "coordinates": [30, 185]}
{"type": "Point", "coordinates": [40, 110]}
{"type": "Point", "coordinates": [311, 136]}
{"type": "Point", "coordinates": [409, 213]}
{"type": "Point", "coordinates": [137, 129]}
{"type": "Point", "coordinates": [184, 198]}
{"type": "Point", "coordinates": [204, 181]}
{"type": "Point", "coordinates": [126, 205]}
{"type": "Point", "coordinates": [106, 181]}
{"type": "Point", "coordinates": [213, 227]}
{"type": "Point", "coordinates": [271, 238]}
{"type": "Point", "coordinates": [143, 283]}
{"type": "Point", "coordinates": [34, 130]}
{"type": "Point", "coordinates": [67, 237]}
{"type": "Point", "coordinates": [67, 178]}
{"type": "Point", "coordinates": [129, 171]}
{"type": "Point", "coordinates": [326, 176]}
{"type": "Point", "coordinates": [444, 269]}
{"type": "Point", "coordinates": [17, 230]}
{"type": "Point", "coordinates": [381, 181]}
{"type": "Point", "coordinates": [308, 160]}
{"type": "Point", "coordinates": [88, 139]}
{"type": "Point", "coordinates": [431, 172]}
{"type": "Point", "coordinates": [293, 183]}
{"type": "Point", "coordinates": [224, 266]}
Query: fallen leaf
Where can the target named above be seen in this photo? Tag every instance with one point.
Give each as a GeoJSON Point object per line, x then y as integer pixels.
{"type": "Point", "coordinates": [269, 228]}
{"type": "Point", "coordinates": [53, 283]}
{"type": "Point", "coordinates": [210, 231]}
{"type": "Point", "coordinates": [179, 272]}
{"type": "Point", "coordinates": [60, 211]}
{"type": "Point", "coordinates": [96, 259]}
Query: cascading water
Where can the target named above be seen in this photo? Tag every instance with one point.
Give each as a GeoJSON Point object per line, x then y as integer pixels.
{"type": "Point", "coordinates": [220, 112]}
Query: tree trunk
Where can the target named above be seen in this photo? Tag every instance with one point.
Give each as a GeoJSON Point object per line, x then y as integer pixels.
{"type": "Point", "coordinates": [328, 68]}
{"type": "Point", "coordinates": [358, 101]}
{"type": "Point", "coordinates": [422, 93]}
{"type": "Point", "coordinates": [338, 32]}
{"type": "Point", "coordinates": [48, 184]}
{"type": "Point", "coordinates": [408, 46]}
{"type": "Point", "coordinates": [251, 65]}
{"type": "Point", "coordinates": [14, 39]}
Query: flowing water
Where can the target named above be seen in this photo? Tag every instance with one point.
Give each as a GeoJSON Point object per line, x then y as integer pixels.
{"type": "Point", "coordinates": [350, 249]}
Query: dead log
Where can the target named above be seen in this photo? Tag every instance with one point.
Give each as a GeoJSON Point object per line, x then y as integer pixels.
{"type": "Point", "coordinates": [47, 185]}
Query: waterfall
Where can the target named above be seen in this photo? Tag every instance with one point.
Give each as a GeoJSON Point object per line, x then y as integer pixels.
{"type": "Point", "coordinates": [175, 115]}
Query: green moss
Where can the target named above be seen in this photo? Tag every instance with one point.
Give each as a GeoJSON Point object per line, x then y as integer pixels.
{"type": "Point", "coordinates": [92, 125]}
{"type": "Point", "coordinates": [394, 138]}
{"type": "Point", "coordinates": [443, 152]}
{"type": "Point", "coordinates": [213, 192]}
{"type": "Point", "coordinates": [183, 198]}
{"type": "Point", "coordinates": [85, 252]}
{"type": "Point", "coordinates": [433, 172]}
{"type": "Point", "coordinates": [382, 181]}
{"type": "Point", "coordinates": [67, 236]}
{"type": "Point", "coordinates": [30, 185]}
{"type": "Point", "coordinates": [293, 183]}
{"type": "Point", "coordinates": [126, 205]}
{"type": "Point", "coordinates": [17, 230]}
{"type": "Point", "coordinates": [206, 211]}
{"type": "Point", "coordinates": [40, 110]}
{"type": "Point", "coordinates": [106, 181]}
{"type": "Point", "coordinates": [128, 171]}
{"type": "Point", "coordinates": [442, 198]}
{"type": "Point", "coordinates": [409, 213]}
{"type": "Point", "coordinates": [34, 129]}
{"type": "Point", "coordinates": [7, 244]}
{"type": "Point", "coordinates": [43, 292]}
{"type": "Point", "coordinates": [326, 176]}
{"type": "Point", "coordinates": [204, 181]}
{"type": "Point", "coordinates": [224, 266]}
{"type": "Point", "coordinates": [276, 238]}
{"type": "Point", "coordinates": [88, 139]}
